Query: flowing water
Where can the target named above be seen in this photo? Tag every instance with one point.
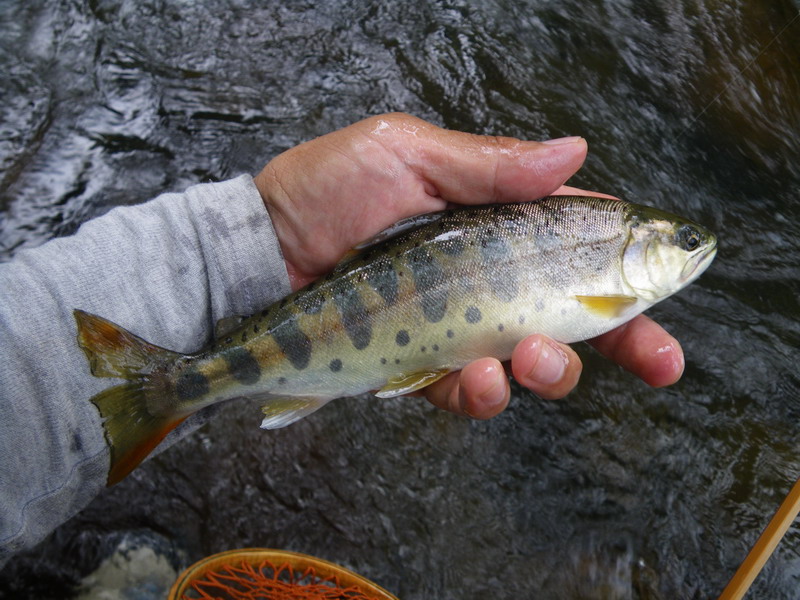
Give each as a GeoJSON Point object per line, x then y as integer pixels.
{"type": "Point", "coordinates": [621, 491]}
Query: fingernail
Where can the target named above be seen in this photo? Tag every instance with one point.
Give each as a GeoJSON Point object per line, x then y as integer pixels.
{"type": "Point", "coordinates": [563, 140]}
{"type": "Point", "coordinates": [550, 367]}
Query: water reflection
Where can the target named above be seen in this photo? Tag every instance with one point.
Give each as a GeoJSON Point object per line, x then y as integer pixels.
{"type": "Point", "coordinates": [620, 492]}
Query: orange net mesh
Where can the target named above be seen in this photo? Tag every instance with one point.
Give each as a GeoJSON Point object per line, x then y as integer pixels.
{"type": "Point", "coordinates": [265, 580]}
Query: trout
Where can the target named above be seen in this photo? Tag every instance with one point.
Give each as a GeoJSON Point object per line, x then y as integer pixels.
{"type": "Point", "coordinates": [422, 299]}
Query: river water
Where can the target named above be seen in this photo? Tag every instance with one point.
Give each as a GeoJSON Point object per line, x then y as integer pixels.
{"type": "Point", "coordinates": [621, 491]}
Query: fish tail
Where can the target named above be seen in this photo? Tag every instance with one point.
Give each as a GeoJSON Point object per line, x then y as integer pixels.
{"type": "Point", "coordinates": [139, 413]}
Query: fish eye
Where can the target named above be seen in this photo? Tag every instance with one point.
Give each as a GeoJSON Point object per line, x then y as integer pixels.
{"type": "Point", "coordinates": [688, 238]}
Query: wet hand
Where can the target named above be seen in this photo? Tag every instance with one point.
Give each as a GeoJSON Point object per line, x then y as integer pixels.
{"type": "Point", "coordinates": [328, 195]}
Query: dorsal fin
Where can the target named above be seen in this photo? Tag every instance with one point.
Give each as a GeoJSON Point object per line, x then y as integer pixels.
{"type": "Point", "coordinates": [228, 324]}
{"type": "Point", "coordinates": [390, 232]}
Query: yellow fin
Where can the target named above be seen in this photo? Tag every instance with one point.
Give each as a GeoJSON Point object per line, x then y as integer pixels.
{"type": "Point", "coordinates": [280, 412]}
{"type": "Point", "coordinates": [607, 306]}
{"type": "Point", "coordinates": [136, 414]}
{"type": "Point", "coordinates": [410, 382]}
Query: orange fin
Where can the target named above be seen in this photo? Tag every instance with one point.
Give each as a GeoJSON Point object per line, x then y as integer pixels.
{"type": "Point", "coordinates": [131, 430]}
{"type": "Point", "coordinates": [136, 414]}
{"type": "Point", "coordinates": [114, 352]}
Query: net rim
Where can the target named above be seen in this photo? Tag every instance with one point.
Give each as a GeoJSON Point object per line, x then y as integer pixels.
{"type": "Point", "coordinates": [296, 560]}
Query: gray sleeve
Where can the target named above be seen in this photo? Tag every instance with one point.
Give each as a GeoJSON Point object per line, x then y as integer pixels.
{"type": "Point", "coordinates": [166, 270]}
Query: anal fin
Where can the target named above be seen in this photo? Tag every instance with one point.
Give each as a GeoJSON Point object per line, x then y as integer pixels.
{"type": "Point", "coordinates": [280, 412]}
{"type": "Point", "coordinates": [410, 382]}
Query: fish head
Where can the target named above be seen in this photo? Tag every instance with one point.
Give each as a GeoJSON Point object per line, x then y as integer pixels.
{"type": "Point", "coordinates": [664, 252]}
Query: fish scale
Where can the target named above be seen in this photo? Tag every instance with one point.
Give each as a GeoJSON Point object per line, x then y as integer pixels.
{"type": "Point", "coordinates": [416, 303]}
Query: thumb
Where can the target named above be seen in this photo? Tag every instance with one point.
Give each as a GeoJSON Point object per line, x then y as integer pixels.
{"type": "Point", "coordinates": [474, 169]}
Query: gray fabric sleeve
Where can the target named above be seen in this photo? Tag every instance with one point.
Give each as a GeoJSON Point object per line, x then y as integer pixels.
{"type": "Point", "coordinates": [166, 270]}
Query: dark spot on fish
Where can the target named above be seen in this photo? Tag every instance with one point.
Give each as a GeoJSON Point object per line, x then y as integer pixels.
{"type": "Point", "coordinates": [255, 328]}
{"type": "Point", "coordinates": [228, 340]}
{"type": "Point", "coordinates": [522, 319]}
{"type": "Point", "coordinates": [242, 365]}
{"type": "Point", "coordinates": [265, 312]}
{"type": "Point", "coordinates": [450, 333]}
{"type": "Point", "coordinates": [244, 337]}
{"type": "Point", "coordinates": [430, 283]}
{"type": "Point", "coordinates": [192, 385]}
{"type": "Point", "coordinates": [281, 380]}
{"type": "Point", "coordinates": [283, 302]}
{"type": "Point", "coordinates": [402, 338]}
{"type": "Point", "coordinates": [383, 361]}
{"type": "Point", "coordinates": [335, 365]}
{"type": "Point", "coordinates": [454, 246]}
{"type": "Point", "coordinates": [293, 343]}
{"type": "Point", "coordinates": [435, 348]}
{"type": "Point", "coordinates": [310, 302]}
{"type": "Point", "coordinates": [504, 288]}
{"type": "Point", "coordinates": [397, 361]}
{"type": "Point", "coordinates": [539, 305]}
{"type": "Point", "coordinates": [500, 327]}
{"type": "Point", "coordinates": [423, 349]}
{"type": "Point", "coordinates": [473, 314]}
{"type": "Point", "coordinates": [383, 279]}
{"type": "Point", "coordinates": [355, 318]}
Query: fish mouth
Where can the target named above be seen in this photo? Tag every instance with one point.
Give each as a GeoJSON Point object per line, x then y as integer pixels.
{"type": "Point", "coordinates": [699, 263]}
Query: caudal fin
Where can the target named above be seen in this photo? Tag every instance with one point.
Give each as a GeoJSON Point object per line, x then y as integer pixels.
{"type": "Point", "coordinates": [135, 414]}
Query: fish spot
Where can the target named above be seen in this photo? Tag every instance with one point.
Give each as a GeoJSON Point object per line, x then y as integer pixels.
{"type": "Point", "coordinates": [522, 319]}
{"type": "Point", "coordinates": [355, 317]}
{"type": "Point", "coordinates": [450, 333]}
{"type": "Point", "coordinates": [383, 361]}
{"type": "Point", "coordinates": [402, 338]}
{"type": "Point", "coordinates": [500, 327]}
{"type": "Point", "coordinates": [192, 385]}
{"type": "Point", "coordinates": [293, 343]}
{"type": "Point", "coordinates": [539, 305]}
{"type": "Point", "coordinates": [335, 365]}
{"type": "Point", "coordinates": [242, 365]}
{"type": "Point", "coordinates": [473, 314]}
{"type": "Point", "coordinates": [244, 337]}
{"type": "Point", "coordinates": [383, 279]}
{"type": "Point", "coordinates": [423, 349]}
{"type": "Point", "coordinates": [310, 302]}
{"type": "Point", "coordinates": [397, 361]}
{"type": "Point", "coordinates": [453, 246]}
{"type": "Point", "coordinates": [282, 380]}
{"type": "Point", "coordinates": [435, 347]}
{"type": "Point", "coordinates": [430, 283]}
{"type": "Point", "coordinates": [255, 328]}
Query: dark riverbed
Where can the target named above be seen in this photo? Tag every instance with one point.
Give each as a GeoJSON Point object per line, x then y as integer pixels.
{"type": "Point", "coordinates": [619, 492]}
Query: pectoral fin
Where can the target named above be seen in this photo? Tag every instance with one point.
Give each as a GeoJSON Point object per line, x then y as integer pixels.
{"type": "Point", "coordinates": [607, 306]}
{"type": "Point", "coordinates": [280, 412]}
{"type": "Point", "coordinates": [410, 382]}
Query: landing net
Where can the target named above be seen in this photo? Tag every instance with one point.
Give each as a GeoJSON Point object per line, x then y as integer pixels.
{"type": "Point", "coordinates": [256, 574]}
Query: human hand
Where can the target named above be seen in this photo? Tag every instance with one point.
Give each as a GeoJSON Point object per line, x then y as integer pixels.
{"type": "Point", "coordinates": [329, 194]}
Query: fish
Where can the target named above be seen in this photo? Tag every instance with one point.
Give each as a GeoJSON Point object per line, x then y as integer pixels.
{"type": "Point", "coordinates": [403, 310]}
